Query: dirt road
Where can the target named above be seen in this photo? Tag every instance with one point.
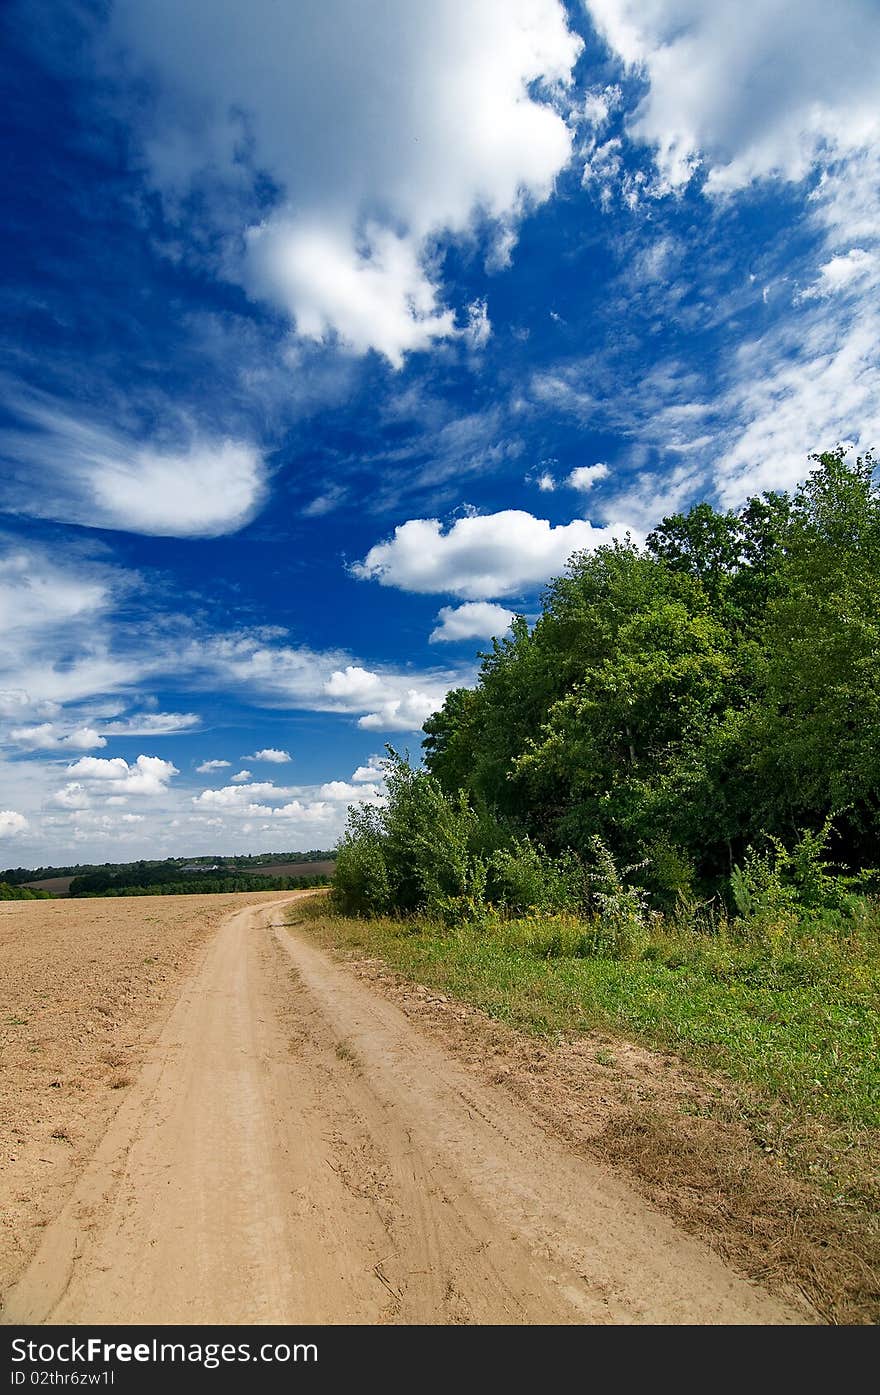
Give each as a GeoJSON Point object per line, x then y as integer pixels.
{"type": "Point", "coordinates": [294, 1150]}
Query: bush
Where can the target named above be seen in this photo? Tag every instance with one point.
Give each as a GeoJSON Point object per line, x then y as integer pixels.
{"type": "Point", "coordinates": [419, 852]}
{"type": "Point", "coordinates": [780, 893]}
{"type": "Point", "coordinates": [622, 908]}
{"type": "Point", "coordinates": [361, 884]}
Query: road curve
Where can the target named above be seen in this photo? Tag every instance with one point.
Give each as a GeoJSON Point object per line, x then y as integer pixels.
{"type": "Point", "coordinates": [295, 1151]}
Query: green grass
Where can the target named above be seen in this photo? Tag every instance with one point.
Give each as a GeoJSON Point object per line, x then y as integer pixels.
{"type": "Point", "coordinates": [799, 1025]}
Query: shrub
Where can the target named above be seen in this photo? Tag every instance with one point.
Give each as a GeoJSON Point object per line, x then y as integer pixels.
{"type": "Point", "coordinates": [361, 884]}
{"type": "Point", "coordinates": [780, 892]}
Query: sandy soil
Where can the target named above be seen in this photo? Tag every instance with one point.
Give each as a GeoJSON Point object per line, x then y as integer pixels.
{"type": "Point", "coordinates": [83, 989]}
{"type": "Point", "coordinates": [294, 1149]}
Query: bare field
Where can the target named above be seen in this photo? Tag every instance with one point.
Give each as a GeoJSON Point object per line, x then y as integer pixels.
{"type": "Point", "coordinates": [294, 869]}
{"type": "Point", "coordinates": [83, 985]}
{"type": "Point", "coordinates": [59, 886]}
{"type": "Point", "coordinates": [213, 1120]}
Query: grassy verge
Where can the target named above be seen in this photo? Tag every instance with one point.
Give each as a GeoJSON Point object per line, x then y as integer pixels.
{"type": "Point", "coordinates": [803, 1027]}
{"type": "Point", "coordinates": [793, 1036]}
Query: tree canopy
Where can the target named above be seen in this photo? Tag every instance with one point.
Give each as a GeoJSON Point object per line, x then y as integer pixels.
{"type": "Point", "coordinates": [684, 700]}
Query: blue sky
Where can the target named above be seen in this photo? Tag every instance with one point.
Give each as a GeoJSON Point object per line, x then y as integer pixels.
{"type": "Point", "coordinates": [331, 330]}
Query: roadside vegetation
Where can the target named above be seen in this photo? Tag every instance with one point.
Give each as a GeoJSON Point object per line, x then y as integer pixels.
{"type": "Point", "coordinates": [660, 806]}
{"type": "Point", "coordinates": [658, 813]}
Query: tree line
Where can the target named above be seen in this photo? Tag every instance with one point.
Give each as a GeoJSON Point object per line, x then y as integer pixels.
{"type": "Point", "coordinates": [17, 876]}
{"type": "Point", "coordinates": [703, 710]}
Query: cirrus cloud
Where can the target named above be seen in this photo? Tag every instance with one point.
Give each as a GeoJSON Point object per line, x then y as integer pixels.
{"type": "Point", "coordinates": [198, 488]}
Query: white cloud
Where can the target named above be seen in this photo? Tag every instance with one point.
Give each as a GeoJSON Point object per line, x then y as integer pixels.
{"type": "Point", "coordinates": [241, 778]}
{"type": "Point", "coordinates": [479, 328]}
{"type": "Point", "coordinates": [207, 766]}
{"type": "Point", "coordinates": [54, 630]}
{"type": "Point", "coordinates": [404, 713]}
{"type": "Point", "coordinates": [15, 702]}
{"type": "Point", "coordinates": [147, 775]}
{"type": "Point", "coordinates": [37, 595]}
{"type": "Point", "coordinates": [372, 773]}
{"type": "Point", "coordinates": [74, 795]}
{"type": "Point", "coordinates": [546, 483]}
{"type": "Point", "coordinates": [373, 296]}
{"type": "Point", "coordinates": [748, 90]}
{"type": "Point", "coordinates": [49, 737]}
{"type": "Point", "coordinates": [343, 792]}
{"type": "Point", "coordinates": [841, 273]}
{"type": "Point", "coordinates": [585, 476]}
{"type": "Point", "coordinates": [385, 125]}
{"type": "Point", "coordinates": [473, 620]}
{"type": "Point", "coordinates": [315, 811]}
{"type": "Point", "coordinates": [325, 503]}
{"type": "Point", "coordinates": [599, 103]}
{"type": "Point", "coordinates": [487, 555]}
{"type": "Point", "coordinates": [279, 675]}
{"type": "Point", "coordinates": [806, 388]}
{"type": "Point", "coordinates": [353, 684]}
{"type": "Point", "coordinates": [272, 755]}
{"type": "Point", "coordinates": [238, 796]}
{"type": "Point", "coordinates": [152, 724]}
{"type": "Point", "coordinates": [11, 823]}
{"type": "Point", "coordinates": [556, 389]}
{"type": "Point", "coordinates": [92, 475]}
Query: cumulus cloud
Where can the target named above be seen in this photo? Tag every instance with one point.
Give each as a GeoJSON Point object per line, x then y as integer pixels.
{"type": "Point", "coordinates": [395, 705]}
{"type": "Point", "coordinates": [12, 823]}
{"type": "Point", "coordinates": [313, 811]}
{"type": "Point", "coordinates": [74, 795]}
{"type": "Point", "coordinates": [208, 766]}
{"type": "Point", "coordinates": [473, 620]}
{"type": "Point", "coordinates": [370, 774]}
{"type": "Point", "coordinates": [405, 713]}
{"type": "Point", "coordinates": [585, 476]}
{"type": "Point", "coordinates": [92, 475]}
{"type": "Point", "coordinates": [376, 298]}
{"type": "Point", "coordinates": [274, 674]}
{"type": "Point", "coordinates": [467, 128]}
{"type": "Point", "coordinates": [241, 778]}
{"type": "Point", "coordinates": [353, 684]}
{"type": "Point", "coordinates": [272, 755]}
{"type": "Point", "coordinates": [238, 796]}
{"type": "Point", "coordinates": [748, 91]}
{"type": "Point", "coordinates": [147, 775]}
{"type": "Point", "coordinates": [342, 792]}
{"type": "Point", "coordinates": [499, 554]}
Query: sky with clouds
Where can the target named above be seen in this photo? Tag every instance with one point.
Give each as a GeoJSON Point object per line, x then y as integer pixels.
{"type": "Point", "coordinates": [332, 329]}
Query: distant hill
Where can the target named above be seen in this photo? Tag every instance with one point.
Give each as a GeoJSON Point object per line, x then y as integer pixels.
{"type": "Point", "coordinates": [177, 871]}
